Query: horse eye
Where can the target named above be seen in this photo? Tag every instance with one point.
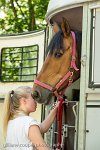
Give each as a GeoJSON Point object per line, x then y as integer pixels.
{"type": "Point", "coordinates": [58, 54]}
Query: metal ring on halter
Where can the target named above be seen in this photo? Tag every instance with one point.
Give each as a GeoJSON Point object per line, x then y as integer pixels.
{"type": "Point", "coordinates": [71, 73]}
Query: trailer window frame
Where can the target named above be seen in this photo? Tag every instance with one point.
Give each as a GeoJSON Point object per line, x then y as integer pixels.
{"type": "Point", "coordinates": [94, 71]}
{"type": "Point", "coordinates": [20, 63]}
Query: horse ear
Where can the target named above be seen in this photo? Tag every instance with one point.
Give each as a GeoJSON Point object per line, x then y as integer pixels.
{"type": "Point", "coordinates": [65, 27]}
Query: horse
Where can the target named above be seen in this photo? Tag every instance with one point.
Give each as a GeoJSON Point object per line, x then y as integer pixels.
{"type": "Point", "coordinates": [63, 59]}
{"type": "Point", "coordinates": [60, 69]}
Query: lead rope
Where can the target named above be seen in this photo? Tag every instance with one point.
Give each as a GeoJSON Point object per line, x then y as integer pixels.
{"type": "Point", "coordinates": [59, 121]}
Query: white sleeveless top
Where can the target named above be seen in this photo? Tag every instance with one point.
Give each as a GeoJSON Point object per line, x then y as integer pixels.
{"type": "Point", "coordinates": [17, 133]}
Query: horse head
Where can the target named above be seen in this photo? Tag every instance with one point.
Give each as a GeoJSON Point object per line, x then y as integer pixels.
{"type": "Point", "coordinates": [57, 64]}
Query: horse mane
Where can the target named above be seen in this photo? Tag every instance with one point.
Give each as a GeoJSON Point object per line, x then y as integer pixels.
{"type": "Point", "coordinates": [78, 35]}
{"type": "Point", "coordinates": [56, 43]}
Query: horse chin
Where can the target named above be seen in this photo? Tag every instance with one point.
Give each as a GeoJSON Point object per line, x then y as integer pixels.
{"type": "Point", "coordinates": [41, 101]}
{"type": "Point", "coordinates": [48, 100]}
{"type": "Point", "coordinates": [45, 101]}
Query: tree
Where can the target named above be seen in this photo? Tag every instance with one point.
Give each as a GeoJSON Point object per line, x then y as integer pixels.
{"type": "Point", "coordinates": [22, 15]}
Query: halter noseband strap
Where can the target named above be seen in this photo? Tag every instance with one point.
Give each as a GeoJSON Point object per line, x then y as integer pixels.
{"type": "Point", "coordinates": [46, 86]}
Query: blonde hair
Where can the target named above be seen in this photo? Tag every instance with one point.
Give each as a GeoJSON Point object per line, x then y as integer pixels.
{"type": "Point", "coordinates": [12, 103]}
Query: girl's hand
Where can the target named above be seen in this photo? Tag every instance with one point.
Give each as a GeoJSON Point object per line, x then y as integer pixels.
{"type": "Point", "coordinates": [54, 110]}
{"type": "Point", "coordinates": [57, 105]}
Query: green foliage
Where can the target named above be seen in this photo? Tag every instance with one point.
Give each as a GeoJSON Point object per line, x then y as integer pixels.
{"type": "Point", "coordinates": [22, 15]}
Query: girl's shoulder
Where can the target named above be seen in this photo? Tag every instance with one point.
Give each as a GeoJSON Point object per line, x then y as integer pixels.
{"type": "Point", "coordinates": [28, 119]}
{"type": "Point", "coordinates": [24, 119]}
{"type": "Point", "coordinates": [23, 123]}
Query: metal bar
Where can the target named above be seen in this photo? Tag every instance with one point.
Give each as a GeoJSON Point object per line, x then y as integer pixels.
{"type": "Point", "coordinates": [21, 75]}
{"type": "Point", "coordinates": [24, 80]}
{"type": "Point", "coordinates": [20, 52]}
{"type": "Point", "coordinates": [20, 59]}
{"type": "Point", "coordinates": [18, 67]}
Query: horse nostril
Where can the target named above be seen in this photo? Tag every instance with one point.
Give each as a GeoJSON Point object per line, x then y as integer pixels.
{"type": "Point", "coordinates": [36, 95]}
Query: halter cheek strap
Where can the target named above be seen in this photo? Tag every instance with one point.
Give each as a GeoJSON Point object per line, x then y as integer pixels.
{"type": "Point", "coordinates": [73, 64]}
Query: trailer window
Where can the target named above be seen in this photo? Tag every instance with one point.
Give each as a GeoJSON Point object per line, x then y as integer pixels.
{"type": "Point", "coordinates": [19, 64]}
{"type": "Point", "coordinates": [95, 49]}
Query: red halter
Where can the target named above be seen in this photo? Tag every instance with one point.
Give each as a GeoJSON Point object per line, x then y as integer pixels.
{"type": "Point", "coordinates": [59, 96]}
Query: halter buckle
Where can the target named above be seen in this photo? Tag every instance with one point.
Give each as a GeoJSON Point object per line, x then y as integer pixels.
{"type": "Point", "coordinates": [71, 73]}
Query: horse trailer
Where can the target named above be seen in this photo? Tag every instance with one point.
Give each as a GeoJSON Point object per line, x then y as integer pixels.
{"type": "Point", "coordinates": [84, 16]}
{"type": "Point", "coordinates": [81, 130]}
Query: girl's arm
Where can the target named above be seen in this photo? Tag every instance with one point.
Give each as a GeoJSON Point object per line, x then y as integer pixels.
{"type": "Point", "coordinates": [36, 138]}
{"type": "Point", "coordinates": [46, 124]}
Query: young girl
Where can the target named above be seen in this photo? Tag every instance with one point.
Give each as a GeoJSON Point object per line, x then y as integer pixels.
{"type": "Point", "coordinates": [22, 131]}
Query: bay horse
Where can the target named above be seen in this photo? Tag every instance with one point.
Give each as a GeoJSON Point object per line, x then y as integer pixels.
{"type": "Point", "coordinates": [61, 66]}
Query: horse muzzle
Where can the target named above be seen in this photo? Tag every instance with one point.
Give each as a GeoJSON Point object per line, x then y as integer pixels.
{"type": "Point", "coordinates": [42, 95]}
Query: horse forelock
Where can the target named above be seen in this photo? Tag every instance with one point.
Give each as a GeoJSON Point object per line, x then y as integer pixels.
{"type": "Point", "coordinates": [56, 43]}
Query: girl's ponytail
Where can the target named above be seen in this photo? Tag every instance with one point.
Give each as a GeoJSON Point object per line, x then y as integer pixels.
{"type": "Point", "coordinates": [12, 104]}
{"type": "Point", "coordinates": [7, 107]}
